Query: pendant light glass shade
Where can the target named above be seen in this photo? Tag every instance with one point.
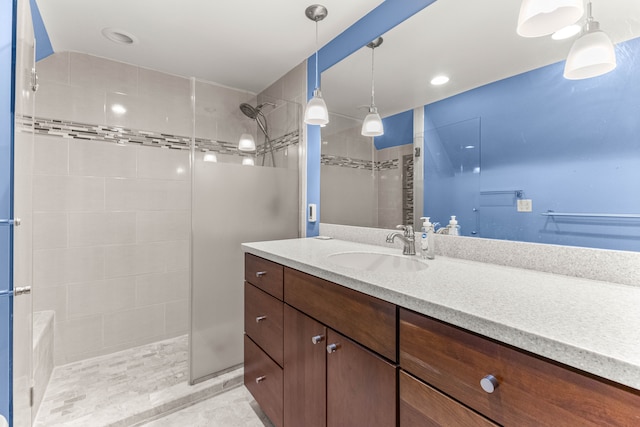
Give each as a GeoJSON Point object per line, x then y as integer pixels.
{"type": "Point", "coordinates": [316, 112]}
{"type": "Point", "coordinates": [372, 124]}
{"type": "Point", "coordinates": [592, 55]}
{"type": "Point", "coordinates": [246, 143]}
{"type": "Point", "coordinates": [542, 17]}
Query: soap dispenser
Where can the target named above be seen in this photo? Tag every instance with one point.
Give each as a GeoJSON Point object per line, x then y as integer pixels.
{"type": "Point", "coordinates": [427, 241]}
{"type": "Point", "coordinates": [453, 228]}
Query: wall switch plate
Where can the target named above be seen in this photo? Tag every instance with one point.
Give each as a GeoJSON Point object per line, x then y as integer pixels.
{"type": "Point", "coordinates": [525, 205]}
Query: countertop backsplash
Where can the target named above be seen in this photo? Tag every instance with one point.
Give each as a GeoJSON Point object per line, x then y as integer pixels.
{"type": "Point", "coordinates": [621, 267]}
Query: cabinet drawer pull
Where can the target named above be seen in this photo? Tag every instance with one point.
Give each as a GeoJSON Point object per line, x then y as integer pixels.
{"type": "Point", "coordinates": [260, 318]}
{"type": "Point", "coordinates": [489, 383]}
{"type": "Point", "coordinates": [261, 273]}
{"type": "Point", "coordinates": [260, 379]}
{"type": "Point", "coordinates": [317, 339]}
{"type": "Point", "coordinates": [332, 348]}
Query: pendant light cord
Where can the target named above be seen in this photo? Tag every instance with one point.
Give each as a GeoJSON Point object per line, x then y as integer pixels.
{"type": "Point", "coordinates": [373, 104]}
{"type": "Point", "coordinates": [317, 79]}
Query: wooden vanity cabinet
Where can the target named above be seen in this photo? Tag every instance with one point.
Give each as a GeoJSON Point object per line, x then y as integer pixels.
{"type": "Point", "coordinates": [263, 341]}
{"type": "Point", "coordinates": [527, 390]}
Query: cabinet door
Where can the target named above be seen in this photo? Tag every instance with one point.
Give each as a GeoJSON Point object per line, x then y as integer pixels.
{"type": "Point", "coordinates": [361, 386]}
{"type": "Point", "coordinates": [305, 359]}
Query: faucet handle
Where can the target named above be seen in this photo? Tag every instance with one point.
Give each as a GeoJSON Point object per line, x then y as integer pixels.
{"type": "Point", "coordinates": [408, 229]}
{"type": "Point", "coordinates": [401, 227]}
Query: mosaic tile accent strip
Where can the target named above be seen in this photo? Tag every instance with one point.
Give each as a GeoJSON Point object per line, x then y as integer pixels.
{"type": "Point", "coordinates": [121, 135]}
{"type": "Point", "coordinates": [348, 162]}
{"type": "Point", "coordinates": [127, 387]}
{"type": "Point", "coordinates": [407, 189]}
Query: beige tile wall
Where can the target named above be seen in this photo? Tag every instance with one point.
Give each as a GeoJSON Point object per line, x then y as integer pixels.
{"type": "Point", "coordinates": [111, 244]}
{"type": "Point", "coordinates": [112, 222]}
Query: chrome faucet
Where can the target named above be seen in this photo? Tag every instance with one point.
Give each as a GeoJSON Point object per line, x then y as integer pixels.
{"type": "Point", "coordinates": [408, 238]}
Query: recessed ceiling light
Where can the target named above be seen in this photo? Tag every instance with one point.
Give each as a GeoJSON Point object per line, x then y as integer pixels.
{"type": "Point", "coordinates": [566, 32]}
{"type": "Point", "coordinates": [439, 80]}
{"type": "Point", "coordinates": [119, 36]}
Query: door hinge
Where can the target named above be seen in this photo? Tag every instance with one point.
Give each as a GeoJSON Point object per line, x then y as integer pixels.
{"type": "Point", "coordinates": [31, 397]}
{"type": "Point", "coordinates": [34, 80]}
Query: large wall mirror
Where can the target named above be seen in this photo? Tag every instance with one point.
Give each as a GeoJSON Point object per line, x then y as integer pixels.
{"type": "Point", "coordinates": [508, 145]}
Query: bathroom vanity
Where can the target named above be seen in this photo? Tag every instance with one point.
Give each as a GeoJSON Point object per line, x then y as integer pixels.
{"type": "Point", "coordinates": [457, 343]}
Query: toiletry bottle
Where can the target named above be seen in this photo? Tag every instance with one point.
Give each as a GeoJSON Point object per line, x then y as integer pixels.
{"type": "Point", "coordinates": [427, 243]}
{"type": "Point", "coordinates": [454, 228]}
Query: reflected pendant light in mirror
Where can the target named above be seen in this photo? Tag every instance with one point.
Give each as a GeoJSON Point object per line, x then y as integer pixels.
{"type": "Point", "coordinates": [246, 143]}
{"type": "Point", "coordinates": [542, 17]}
{"type": "Point", "coordinates": [592, 54]}
{"type": "Point", "coordinates": [316, 112]}
{"type": "Point", "coordinates": [372, 124]}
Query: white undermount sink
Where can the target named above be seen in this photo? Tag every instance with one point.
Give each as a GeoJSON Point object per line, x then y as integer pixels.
{"type": "Point", "coordinates": [379, 262]}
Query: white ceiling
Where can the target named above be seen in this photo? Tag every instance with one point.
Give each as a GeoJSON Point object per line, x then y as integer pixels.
{"type": "Point", "coordinates": [473, 42]}
{"type": "Point", "coordinates": [245, 44]}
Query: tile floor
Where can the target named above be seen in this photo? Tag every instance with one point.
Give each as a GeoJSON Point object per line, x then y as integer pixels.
{"type": "Point", "coordinates": [146, 383]}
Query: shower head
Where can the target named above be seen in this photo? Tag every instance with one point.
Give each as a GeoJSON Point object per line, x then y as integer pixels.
{"type": "Point", "coordinates": [251, 111]}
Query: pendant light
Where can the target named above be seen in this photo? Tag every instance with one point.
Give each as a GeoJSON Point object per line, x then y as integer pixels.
{"type": "Point", "coordinates": [592, 54]}
{"type": "Point", "coordinates": [542, 17]}
{"type": "Point", "coordinates": [316, 112]}
{"type": "Point", "coordinates": [372, 124]}
{"type": "Point", "coordinates": [246, 143]}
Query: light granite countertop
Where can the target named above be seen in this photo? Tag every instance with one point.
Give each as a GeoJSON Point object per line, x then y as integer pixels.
{"type": "Point", "coordinates": [591, 325]}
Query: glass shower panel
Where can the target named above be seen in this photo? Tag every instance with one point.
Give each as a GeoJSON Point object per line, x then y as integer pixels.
{"type": "Point", "coordinates": [234, 203]}
{"type": "Point", "coordinates": [231, 204]}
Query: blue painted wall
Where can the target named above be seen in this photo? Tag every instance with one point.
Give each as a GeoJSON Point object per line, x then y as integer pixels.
{"type": "Point", "coordinates": [43, 43]}
{"type": "Point", "coordinates": [571, 146]}
{"type": "Point", "coordinates": [7, 66]}
{"type": "Point", "coordinates": [380, 20]}
{"type": "Point", "coordinates": [398, 130]}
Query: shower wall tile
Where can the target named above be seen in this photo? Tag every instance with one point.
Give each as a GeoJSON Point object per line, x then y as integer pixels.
{"type": "Point", "coordinates": [134, 325]}
{"type": "Point", "coordinates": [64, 102]}
{"type": "Point", "coordinates": [146, 194]}
{"type": "Point", "coordinates": [51, 155]}
{"type": "Point", "coordinates": [177, 317]}
{"type": "Point", "coordinates": [94, 73]}
{"type": "Point", "coordinates": [129, 260]}
{"type": "Point", "coordinates": [65, 193]}
{"type": "Point", "coordinates": [294, 82]}
{"type": "Point", "coordinates": [104, 296]}
{"type": "Point", "coordinates": [161, 288]}
{"type": "Point", "coordinates": [101, 228]}
{"type": "Point", "coordinates": [177, 255]}
{"type": "Point", "coordinates": [52, 298]}
{"type": "Point", "coordinates": [54, 69]}
{"type": "Point", "coordinates": [163, 163]}
{"type": "Point", "coordinates": [159, 226]}
{"type": "Point", "coordinates": [218, 115]}
{"type": "Point", "coordinates": [50, 230]}
{"type": "Point", "coordinates": [55, 267]}
{"type": "Point", "coordinates": [95, 158]}
{"type": "Point", "coordinates": [77, 336]}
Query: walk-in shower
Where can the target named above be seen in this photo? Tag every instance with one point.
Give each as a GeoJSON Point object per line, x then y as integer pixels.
{"type": "Point", "coordinates": [256, 114]}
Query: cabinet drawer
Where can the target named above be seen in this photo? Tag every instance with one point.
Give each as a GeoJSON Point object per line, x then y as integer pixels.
{"type": "Point", "coordinates": [531, 391]}
{"type": "Point", "coordinates": [421, 405]}
{"type": "Point", "coordinates": [263, 378]}
{"type": "Point", "coordinates": [264, 274]}
{"type": "Point", "coordinates": [263, 321]}
{"type": "Point", "coordinates": [365, 319]}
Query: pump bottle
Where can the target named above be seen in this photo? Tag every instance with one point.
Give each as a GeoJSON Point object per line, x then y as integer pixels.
{"type": "Point", "coordinates": [453, 228]}
{"type": "Point", "coordinates": [427, 240]}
